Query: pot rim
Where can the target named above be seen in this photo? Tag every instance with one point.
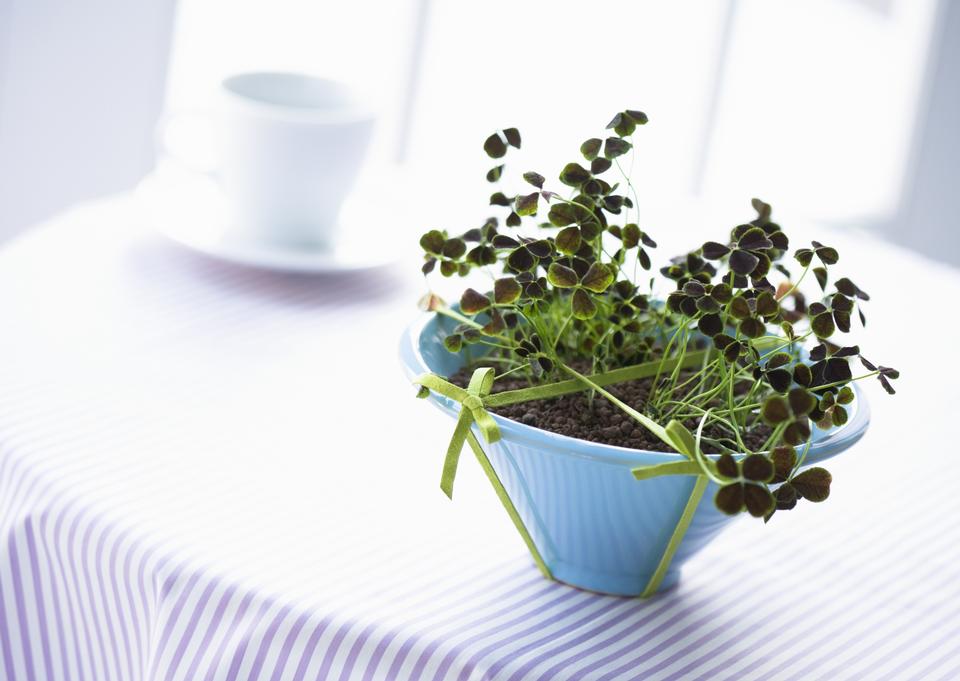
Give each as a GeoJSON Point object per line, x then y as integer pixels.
{"type": "Point", "coordinates": [830, 443]}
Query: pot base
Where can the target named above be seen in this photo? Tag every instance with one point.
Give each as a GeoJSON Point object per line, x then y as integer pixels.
{"type": "Point", "coordinates": [605, 583]}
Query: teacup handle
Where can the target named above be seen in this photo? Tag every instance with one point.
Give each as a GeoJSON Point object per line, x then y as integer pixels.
{"type": "Point", "coordinates": [188, 137]}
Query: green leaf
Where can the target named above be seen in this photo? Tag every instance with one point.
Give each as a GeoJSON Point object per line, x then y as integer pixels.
{"type": "Point", "coordinates": [472, 302]}
{"type": "Point", "coordinates": [727, 466]}
{"type": "Point", "coordinates": [521, 260]}
{"type": "Point", "coordinates": [767, 305]}
{"type": "Point", "coordinates": [583, 305]}
{"type": "Point", "coordinates": [638, 117]}
{"type": "Point", "coordinates": [821, 274]}
{"type": "Point", "coordinates": [591, 148]}
{"type": "Point", "coordinates": [802, 374]}
{"type": "Point", "coordinates": [823, 325]}
{"type": "Point", "coordinates": [513, 137]}
{"type": "Point", "coordinates": [598, 278]}
{"type": "Point", "coordinates": [540, 248]}
{"type": "Point", "coordinates": [778, 359]}
{"type": "Point", "coordinates": [631, 235]}
{"type": "Point", "coordinates": [495, 146]}
{"type": "Point", "coordinates": [562, 276]}
{"type": "Point", "coordinates": [729, 498]}
{"type": "Point", "coordinates": [758, 468]}
{"type": "Point", "coordinates": [740, 308]}
{"type": "Point", "coordinates": [801, 401]}
{"type": "Point", "coordinates": [433, 241]}
{"type": "Point", "coordinates": [710, 324]}
{"type": "Point", "coordinates": [527, 205]}
{"type": "Point", "coordinates": [562, 214]}
{"type": "Point", "coordinates": [784, 460]}
{"type": "Point", "coordinates": [751, 327]}
{"type": "Point", "coordinates": [786, 497]}
{"type": "Point", "coordinates": [713, 250]}
{"type": "Point", "coordinates": [775, 410]}
{"type": "Point", "coordinates": [453, 342]}
{"type": "Point", "coordinates": [506, 290]}
{"type": "Point", "coordinates": [499, 199]}
{"type": "Point", "coordinates": [813, 484]}
{"type": "Point", "coordinates": [743, 262]}
{"type": "Point", "coordinates": [600, 165]}
{"type": "Point", "coordinates": [614, 147]}
{"type": "Point", "coordinates": [513, 220]}
{"type": "Point", "coordinates": [454, 248]}
{"type": "Point", "coordinates": [758, 500]}
{"type": "Point", "coordinates": [568, 240]}
{"type": "Point", "coordinates": [622, 124]}
{"type": "Point", "coordinates": [536, 179]}
{"type": "Point", "coordinates": [827, 255]}
{"type": "Point", "coordinates": [797, 433]}
{"type": "Point", "coordinates": [574, 175]}
{"type": "Point", "coordinates": [494, 173]}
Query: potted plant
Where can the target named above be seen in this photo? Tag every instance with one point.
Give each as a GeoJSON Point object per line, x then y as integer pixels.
{"type": "Point", "coordinates": [623, 419]}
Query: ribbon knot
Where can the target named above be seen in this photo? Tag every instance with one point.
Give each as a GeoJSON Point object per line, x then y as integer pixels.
{"type": "Point", "coordinates": [472, 411]}
{"type": "Point", "coordinates": [472, 402]}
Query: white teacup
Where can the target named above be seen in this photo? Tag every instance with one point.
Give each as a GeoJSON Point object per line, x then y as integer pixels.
{"type": "Point", "coordinates": [287, 150]}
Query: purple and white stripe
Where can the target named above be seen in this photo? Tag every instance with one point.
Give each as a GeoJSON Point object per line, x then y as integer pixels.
{"type": "Point", "coordinates": [192, 487]}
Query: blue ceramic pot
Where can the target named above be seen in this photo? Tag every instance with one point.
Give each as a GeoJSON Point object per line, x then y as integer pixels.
{"type": "Point", "coordinates": [594, 524]}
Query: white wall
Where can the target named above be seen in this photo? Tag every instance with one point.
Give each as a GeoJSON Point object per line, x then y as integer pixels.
{"type": "Point", "coordinates": [81, 85]}
{"type": "Point", "coordinates": [929, 216]}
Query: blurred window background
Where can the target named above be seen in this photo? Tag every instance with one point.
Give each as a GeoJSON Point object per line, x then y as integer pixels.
{"type": "Point", "coordinates": [840, 111]}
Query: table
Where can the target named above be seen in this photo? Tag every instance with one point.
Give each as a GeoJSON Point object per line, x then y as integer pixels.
{"type": "Point", "coordinates": [195, 485]}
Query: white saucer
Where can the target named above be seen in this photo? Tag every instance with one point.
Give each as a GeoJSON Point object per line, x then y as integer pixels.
{"type": "Point", "coordinates": [189, 208]}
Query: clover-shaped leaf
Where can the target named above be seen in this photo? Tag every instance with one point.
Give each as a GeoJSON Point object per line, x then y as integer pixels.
{"type": "Point", "coordinates": [826, 254]}
{"type": "Point", "coordinates": [625, 122]}
{"type": "Point", "coordinates": [495, 145]}
{"type": "Point", "coordinates": [792, 410]}
{"type": "Point", "coordinates": [813, 484]}
{"type": "Point", "coordinates": [729, 346]}
{"type": "Point", "coordinates": [574, 175]}
{"type": "Point", "coordinates": [614, 147]}
{"type": "Point", "coordinates": [885, 375]}
{"type": "Point", "coordinates": [851, 290]}
{"type": "Point", "coordinates": [536, 179]}
{"type": "Point", "coordinates": [591, 148]}
{"type": "Point", "coordinates": [472, 302]}
{"type": "Point", "coordinates": [597, 279]}
{"type": "Point", "coordinates": [568, 240]}
{"type": "Point", "coordinates": [562, 276]}
{"type": "Point", "coordinates": [583, 305]}
{"type": "Point", "coordinates": [433, 241]}
{"type": "Point", "coordinates": [600, 165]}
{"type": "Point", "coordinates": [746, 489]}
{"type": "Point", "coordinates": [527, 204]}
{"type": "Point", "coordinates": [506, 290]}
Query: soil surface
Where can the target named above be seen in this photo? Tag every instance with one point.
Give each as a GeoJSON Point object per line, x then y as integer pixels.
{"type": "Point", "coordinates": [601, 421]}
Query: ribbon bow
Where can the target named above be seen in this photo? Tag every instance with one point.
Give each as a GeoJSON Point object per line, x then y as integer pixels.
{"type": "Point", "coordinates": [473, 411]}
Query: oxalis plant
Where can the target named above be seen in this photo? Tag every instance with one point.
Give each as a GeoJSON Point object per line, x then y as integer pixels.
{"type": "Point", "coordinates": [745, 345]}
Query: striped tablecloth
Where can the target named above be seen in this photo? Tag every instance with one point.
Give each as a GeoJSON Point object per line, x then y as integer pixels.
{"type": "Point", "coordinates": [194, 484]}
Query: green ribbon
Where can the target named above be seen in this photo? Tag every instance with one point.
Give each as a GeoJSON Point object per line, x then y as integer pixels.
{"type": "Point", "coordinates": [473, 411]}
{"type": "Point", "coordinates": [476, 398]}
